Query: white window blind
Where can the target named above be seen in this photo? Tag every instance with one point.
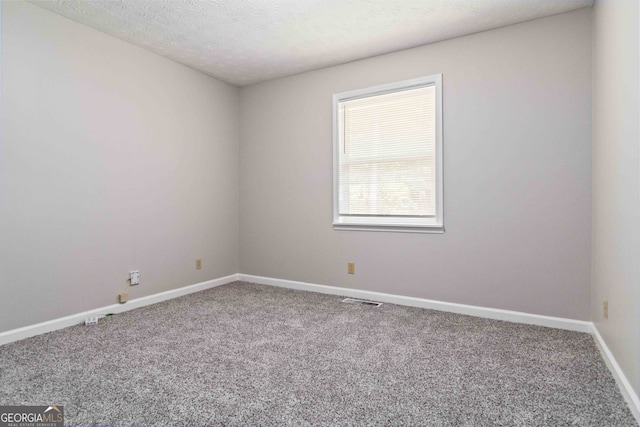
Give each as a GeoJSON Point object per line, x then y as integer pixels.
{"type": "Point", "coordinates": [387, 160]}
{"type": "Point", "coordinates": [388, 156]}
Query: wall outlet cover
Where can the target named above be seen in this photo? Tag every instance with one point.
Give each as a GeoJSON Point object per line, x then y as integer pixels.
{"type": "Point", "coordinates": [134, 277]}
{"type": "Point", "coordinates": [123, 297]}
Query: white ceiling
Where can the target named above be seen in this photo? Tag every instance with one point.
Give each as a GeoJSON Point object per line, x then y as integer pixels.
{"type": "Point", "coordinates": [248, 41]}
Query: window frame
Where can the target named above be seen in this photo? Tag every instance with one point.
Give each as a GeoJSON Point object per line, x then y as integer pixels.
{"type": "Point", "coordinates": [391, 223]}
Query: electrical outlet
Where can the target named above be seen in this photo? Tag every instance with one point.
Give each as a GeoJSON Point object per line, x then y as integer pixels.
{"type": "Point", "coordinates": [123, 297]}
{"type": "Point", "coordinates": [351, 268]}
{"type": "Point", "coordinates": [198, 264]}
{"type": "Point", "coordinates": [91, 320]}
{"type": "Point", "coordinates": [134, 277]}
{"type": "Point", "coordinates": [605, 309]}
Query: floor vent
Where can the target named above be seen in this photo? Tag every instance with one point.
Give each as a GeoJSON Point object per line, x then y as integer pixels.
{"type": "Point", "coordinates": [361, 302]}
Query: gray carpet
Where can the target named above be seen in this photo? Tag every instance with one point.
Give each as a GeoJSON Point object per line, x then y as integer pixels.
{"type": "Point", "coordinates": [245, 354]}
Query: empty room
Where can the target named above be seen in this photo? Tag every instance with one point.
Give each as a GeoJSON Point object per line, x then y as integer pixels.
{"type": "Point", "coordinates": [319, 213]}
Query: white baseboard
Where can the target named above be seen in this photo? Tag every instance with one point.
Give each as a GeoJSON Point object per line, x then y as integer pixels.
{"type": "Point", "coordinates": [623, 383]}
{"type": "Point", "coordinates": [74, 319]}
{"type": "Point", "coordinates": [471, 310]}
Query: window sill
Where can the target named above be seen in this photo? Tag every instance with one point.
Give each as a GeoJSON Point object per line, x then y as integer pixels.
{"type": "Point", "coordinates": [433, 229]}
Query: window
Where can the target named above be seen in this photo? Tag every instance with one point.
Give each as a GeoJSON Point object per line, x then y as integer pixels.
{"type": "Point", "coordinates": [388, 157]}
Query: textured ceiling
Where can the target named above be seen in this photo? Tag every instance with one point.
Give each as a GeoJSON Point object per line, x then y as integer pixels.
{"type": "Point", "coordinates": [248, 41]}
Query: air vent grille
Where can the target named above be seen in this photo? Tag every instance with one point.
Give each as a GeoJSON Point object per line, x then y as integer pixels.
{"type": "Point", "coordinates": [362, 302]}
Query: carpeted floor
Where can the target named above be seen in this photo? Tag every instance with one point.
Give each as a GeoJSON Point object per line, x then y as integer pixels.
{"type": "Point", "coordinates": [245, 354]}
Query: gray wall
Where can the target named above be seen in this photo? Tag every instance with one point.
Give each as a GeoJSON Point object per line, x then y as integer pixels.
{"type": "Point", "coordinates": [616, 183]}
{"type": "Point", "coordinates": [517, 126]}
{"type": "Point", "coordinates": [114, 159]}
{"type": "Point", "coordinates": [111, 159]}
